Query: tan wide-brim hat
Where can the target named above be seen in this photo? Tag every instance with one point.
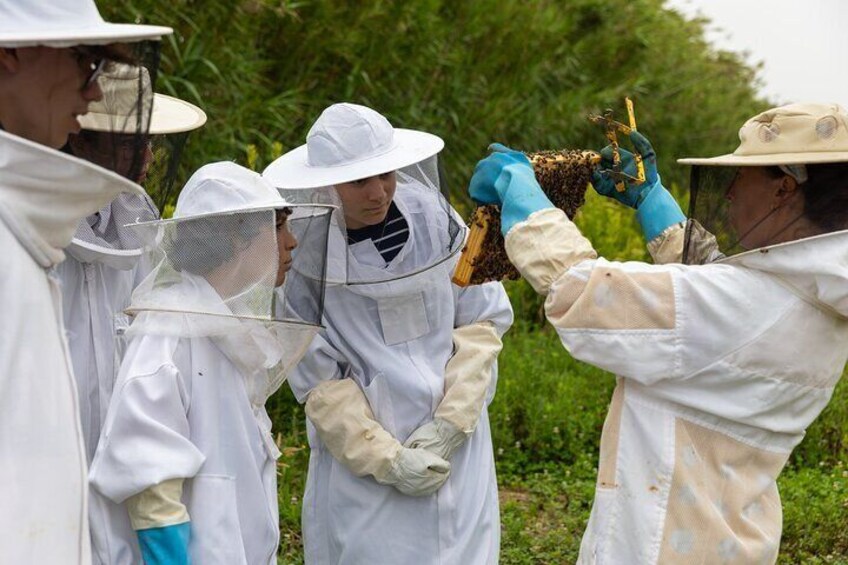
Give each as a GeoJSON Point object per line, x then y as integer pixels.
{"type": "Point", "coordinates": [65, 23]}
{"type": "Point", "coordinates": [169, 115]}
{"type": "Point", "coordinates": [349, 142]}
{"type": "Point", "coordinates": [797, 134]}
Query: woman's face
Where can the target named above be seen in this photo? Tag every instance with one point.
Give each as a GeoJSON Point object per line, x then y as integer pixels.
{"type": "Point", "coordinates": [763, 206]}
{"type": "Point", "coordinates": [286, 243]}
{"type": "Point", "coordinates": [366, 201]}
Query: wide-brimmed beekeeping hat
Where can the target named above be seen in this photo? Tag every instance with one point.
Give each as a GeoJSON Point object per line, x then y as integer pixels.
{"type": "Point", "coordinates": [349, 142]}
{"type": "Point", "coordinates": [796, 134]}
{"type": "Point", "coordinates": [64, 23]}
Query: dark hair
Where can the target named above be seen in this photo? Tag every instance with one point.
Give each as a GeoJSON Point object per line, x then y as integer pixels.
{"type": "Point", "coordinates": [825, 194]}
{"type": "Point", "coordinates": [199, 246]}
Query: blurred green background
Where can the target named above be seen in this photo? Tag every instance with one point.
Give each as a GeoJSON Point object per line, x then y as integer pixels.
{"type": "Point", "coordinates": [525, 73]}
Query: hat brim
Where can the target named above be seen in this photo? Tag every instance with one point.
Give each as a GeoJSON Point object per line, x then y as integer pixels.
{"type": "Point", "coordinates": [733, 160]}
{"type": "Point", "coordinates": [170, 115]}
{"type": "Point", "coordinates": [231, 211]}
{"type": "Point", "coordinates": [101, 34]}
{"type": "Point", "coordinates": [293, 171]}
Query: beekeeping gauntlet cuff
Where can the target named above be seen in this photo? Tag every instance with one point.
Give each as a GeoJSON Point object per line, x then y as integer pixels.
{"type": "Point", "coordinates": [658, 210]}
{"type": "Point", "coordinates": [158, 506]}
{"type": "Point", "coordinates": [668, 246]}
{"type": "Point", "coordinates": [468, 374]}
{"type": "Point", "coordinates": [545, 246]}
{"type": "Point", "coordinates": [340, 413]}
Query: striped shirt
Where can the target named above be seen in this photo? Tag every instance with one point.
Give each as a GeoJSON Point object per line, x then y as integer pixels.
{"type": "Point", "coordinates": [389, 236]}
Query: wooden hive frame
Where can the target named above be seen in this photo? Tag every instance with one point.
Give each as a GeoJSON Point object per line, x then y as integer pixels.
{"type": "Point", "coordinates": [484, 257]}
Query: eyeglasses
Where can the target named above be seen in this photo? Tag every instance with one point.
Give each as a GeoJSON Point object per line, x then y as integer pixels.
{"type": "Point", "coordinates": [90, 63]}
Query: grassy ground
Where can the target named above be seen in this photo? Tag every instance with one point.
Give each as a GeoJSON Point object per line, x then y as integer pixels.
{"type": "Point", "coordinates": [546, 421]}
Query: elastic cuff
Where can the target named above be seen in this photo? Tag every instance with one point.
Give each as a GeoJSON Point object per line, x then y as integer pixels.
{"type": "Point", "coordinates": [658, 211]}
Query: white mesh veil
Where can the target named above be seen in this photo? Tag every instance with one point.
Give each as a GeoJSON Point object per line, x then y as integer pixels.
{"type": "Point", "coordinates": [352, 144]}
{"type": "Point", "coordinates": [227, 267]}
{"type": "Point", "coordinates": [435, 236]}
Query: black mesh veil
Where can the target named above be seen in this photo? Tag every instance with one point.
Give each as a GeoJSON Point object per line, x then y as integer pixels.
{"type": "Point", "coordinates": [117, 126]}
{"type": "Point", "coordinates": [167, 151]}
{"type": "Point", "coordinates": [709, 210]}
{"type": "Point", "coordinates": [734, 209]}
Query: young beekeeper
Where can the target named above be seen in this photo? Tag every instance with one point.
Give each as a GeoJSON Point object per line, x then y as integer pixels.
{"type": "Point", "coordinates": [396, 386]}
{"type": "Point", "coordinates": [51, 56]}
{"type": "Point", "coordinates": [103, 265]}
{"type": "Point", "coordinates": [722, 366]}
{"type": "Point", "coordinates": [187, 444]}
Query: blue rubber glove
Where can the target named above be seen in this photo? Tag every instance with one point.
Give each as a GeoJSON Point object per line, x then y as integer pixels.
{"type": "Point", "coordinates": [506, 178]}
{"type": "Point", "coordinates": [656, 208]}
{"type": "Point", "coordinates": [167, 545]}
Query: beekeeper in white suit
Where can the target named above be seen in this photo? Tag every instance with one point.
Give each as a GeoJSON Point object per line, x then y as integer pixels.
{"type": "Point", "coordinates": [103, 266]}
{"type": "Point", "coordinates": [51, 55]}
{"type": "Point", "coordinates": [396, 388]}
{"type": "Point", "coordinates": [722, 366]}
{"type": "Point", "coordinates": [187, 444]}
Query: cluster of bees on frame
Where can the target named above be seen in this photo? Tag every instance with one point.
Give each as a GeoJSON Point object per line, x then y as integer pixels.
{"type": "Point", "coordinates": [563, 176]}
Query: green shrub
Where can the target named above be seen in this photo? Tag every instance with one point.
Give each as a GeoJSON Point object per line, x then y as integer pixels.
{"type": "Point", "coordinates": [524, 73]}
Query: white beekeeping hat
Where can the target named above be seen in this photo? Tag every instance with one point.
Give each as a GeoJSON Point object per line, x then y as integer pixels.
{"type": "Point", "coordinates": [64, 23]}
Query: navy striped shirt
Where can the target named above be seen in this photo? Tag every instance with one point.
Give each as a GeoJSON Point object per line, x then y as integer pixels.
{"type": "Point", "coordinates": [389, 236]}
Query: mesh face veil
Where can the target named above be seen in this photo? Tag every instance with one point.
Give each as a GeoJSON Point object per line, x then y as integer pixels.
{"type": "Point", "coordinates": [102, 237]}
{"type": "Point", "coordinates": [394, 228]}
{"type": "Point", "coordinates": [787, 180]}
{"type": "Point", "coordinates": [116, 128]}
{"type": "Point", "coordinates": [239, 265]}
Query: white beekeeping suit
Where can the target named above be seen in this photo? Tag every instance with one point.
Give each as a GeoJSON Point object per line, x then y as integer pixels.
{"type": "Point", "coordinates": [721, 366]}
{"type": "Point", "coordinates": [186, 446]}
{"type": "Point", "coordinates": [397, 386]}
{"type": "Point", "coordinates": [43, 195]}
{"type": "Point", "coordinates": [102, 268]}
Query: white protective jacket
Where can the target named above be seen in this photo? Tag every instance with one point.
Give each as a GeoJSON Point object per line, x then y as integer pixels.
{"type": "Point", "coordinates": [721, 369]}
{"type": "Point", "coordinates": [180, 410]}
{"type": "Point", "coordinates": [394, 340]}
{"type": "Point", "coordinates": [97, 284]}
{"type": "Point", "coordinates": [43, 195]}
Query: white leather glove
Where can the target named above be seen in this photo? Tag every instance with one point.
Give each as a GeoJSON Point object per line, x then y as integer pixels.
{"type": "Point", "coordinates": [437, 436]}
{"type": "Point", "coordinates": [416, 472]}
{"type": "Point", "coordinates": [346, 425]}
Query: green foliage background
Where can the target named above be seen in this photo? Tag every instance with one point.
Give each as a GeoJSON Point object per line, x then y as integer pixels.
{"type": "Point", "coordinates": [525, 73]}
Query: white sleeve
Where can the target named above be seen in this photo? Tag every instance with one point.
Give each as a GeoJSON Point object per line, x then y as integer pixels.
{"type": "Point", "coordinates": [640, 321]}
{"type": "Point", "coordinates": [322, 362]}
{"type": "Point", "coordinates": [483, 303]}
{"type": "Point", "coordinates": [145, 440]}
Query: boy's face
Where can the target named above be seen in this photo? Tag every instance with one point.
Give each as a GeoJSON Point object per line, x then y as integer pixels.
{"type": "Point", "coordinates": [366, 201]}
